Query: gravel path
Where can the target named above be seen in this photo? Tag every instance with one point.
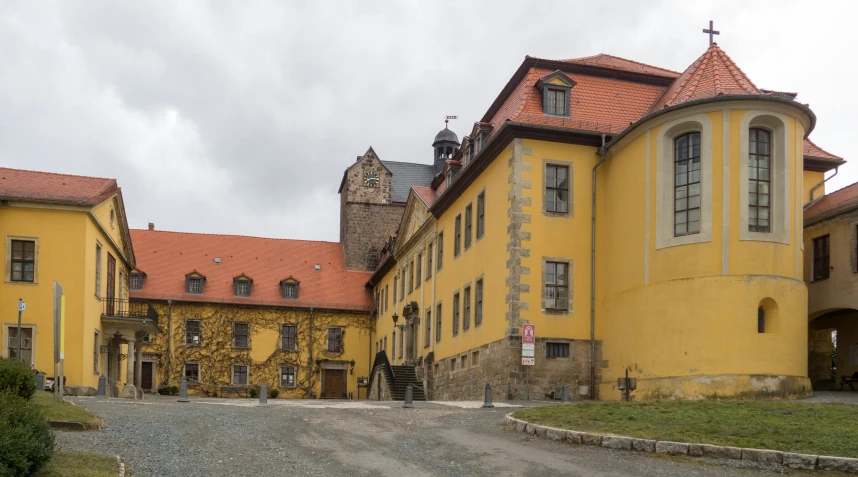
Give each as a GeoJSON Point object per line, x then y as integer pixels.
{"type": "Point", "coordinates": [841, 397]}
{"type": "Point", "coordinates": [348, 438]}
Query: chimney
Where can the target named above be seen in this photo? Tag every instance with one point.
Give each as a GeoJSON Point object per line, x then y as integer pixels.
{"type": "Point", "coordinates": [151, 226]}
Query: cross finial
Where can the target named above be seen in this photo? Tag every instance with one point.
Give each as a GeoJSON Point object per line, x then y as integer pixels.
{"type": "Point", "coordinates": [711, 31]}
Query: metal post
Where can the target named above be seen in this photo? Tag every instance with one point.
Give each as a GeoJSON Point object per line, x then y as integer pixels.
{"type": "Point", "coordinates": [40, 381]}
{"type": "Point", "coordinates": [527, 382]}
{"type": "Point", "coordinates": [183, 390]}
{"type": "Point", "coordinates": [409, 396]}
{"type": "Point", "coordinates": [263, 395]}
{"type": "Point", "coordinates": [20, 309]}
{"type": "Point", "coordinates": [488, 401]}
{"type": "Point", "coordinates": [564, 395]}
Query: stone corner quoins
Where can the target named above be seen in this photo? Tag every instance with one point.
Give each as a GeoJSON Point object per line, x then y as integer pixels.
{"type": "Point", "coordinates": [765, 456]}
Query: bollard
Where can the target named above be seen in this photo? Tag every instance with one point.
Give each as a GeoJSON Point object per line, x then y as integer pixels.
{"type": "Point", "coordinates": [488, 402]}
{"type": "Point", "coordinates": [263, 395]}
{"type": "Point", "coordinates": [564, 395]}
{"type": "Point", "coordinates": [40, 381]}
{"type": "Point", "coordinates": [183, 391]}
{"type": "Point", "coordinates": [102, 386]}
{"type": "Point", "coordinates": [409, 396]}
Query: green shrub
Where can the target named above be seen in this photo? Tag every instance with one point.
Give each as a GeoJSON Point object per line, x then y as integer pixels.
{"type": "Point", "coordinates": [26, 439]}
{"type": "Point", "coordinates": [17, 378]}
{"type": "Point", "coordinates": [274, 393]}
{"type": "Point", "coordinates": [253, 393]}
{"type": "Point", "coordinates": [174, 390]}
{"type": "Point", "coordinates": [165, 390]}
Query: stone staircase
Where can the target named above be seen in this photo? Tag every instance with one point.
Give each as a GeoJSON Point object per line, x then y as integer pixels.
{"type": "Point", "coordinates": [402, 377]}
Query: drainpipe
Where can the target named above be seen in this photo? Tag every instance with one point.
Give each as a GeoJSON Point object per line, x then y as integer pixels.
{"type": "Point", "coordinates": [169, 337]}
{"type": "Point", "coordinates": [310, 370]}
{"type": "Point", "coordinates": [603, 152]}
{"type": "Point", "coordinates": [817, 186]}
{"type": "Point", "coordinates": [370, 362]}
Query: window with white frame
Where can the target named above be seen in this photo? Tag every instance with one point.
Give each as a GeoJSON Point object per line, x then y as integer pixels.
{"type": "Point", "coordinates": [287, 376]}
{"type": "Point", "coordinates": [686, 185]}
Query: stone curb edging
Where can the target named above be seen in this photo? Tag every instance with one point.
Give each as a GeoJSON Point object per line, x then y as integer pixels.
{"type": "Point", "coordinates": [787, 459]}
{"type": "Point", "coordinates": [121, 467]}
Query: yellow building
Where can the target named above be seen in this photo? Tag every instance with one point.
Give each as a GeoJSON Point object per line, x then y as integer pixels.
{"type": "Point", "coordinates": [70, 230]}
{"type": "Point", "coordinates": [241, 311]}
{"type": "Point", "coordinates": [644, 220]}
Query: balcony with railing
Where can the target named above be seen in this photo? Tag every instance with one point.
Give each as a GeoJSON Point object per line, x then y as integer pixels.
{"type": "Point", "coordinates": [123, 308]}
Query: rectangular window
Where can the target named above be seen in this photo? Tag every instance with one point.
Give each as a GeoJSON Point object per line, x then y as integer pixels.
{"type": "Point", "coordinates": [239, 374]}
{"type": "Point", "coordinates": [393, 343]}
{"type": "Point", "coordinates": [821, 258]}
{"type": "Point", "coordinates": [478, 303]}
{"type": "Point", "coordinates": [192, 372]}
{"type": "Point", "coordinates": [455, 314]}
{"type": "Point", "coordinates": [98, 270]}
{"type": "Point", "coordinates": [411, 277]}
{"type": "Point", "coordinates": [401, 343]}
{"type": "Point", "coordinates": [686, 185]}
{"type": "Point", "coordinates": [335, 340]}
{"type": "Point", "coordinates": [240, 335]}
{"type": "Point", "coordinates": [419, 273]}
{"type": "Point", "coordinates": [463, 361]}
{"type": "Point", "coordinates": [287, 376]}
{"type": "Point", "coordinates": [427, 335]}
{"type": "Point", "coordinates": [475, 358]}
{"type": "Point", "coordinates": [429, 262]}
{"type": "Point", "coordinates": [469, 224]}
{"type": "Point", "coordinates": [556, 350]}
{"type": "Point", "coordinates": [195, 285]}
{"type": "Point", "coordinates": [438, 323]}
{"type": "Point", "coordinates": [96, 345]}
{"type": "Point", "coordinates": [136, 281]}
{"type": "Point", "coordinates": [23, 261]}
{"type": "Point", "coordinates": [385, 344]}
{"type": "Point", "coordinates": [761, 320]}
{"type": "Point", "coordinates": [192, 332]}
{"type": "Point", "coordinates": [402, 286]}
{"type": "Point", "coordinates": [386, 299]}
{"type": "Point", "coordinates": [452, 364]}
{"type": "Point", "coordinates": [556, 102]}
{"type": "Point", "coordinates": [395, 284]}
{"type": "Point", "coordinates": [289, 333]}
{"type": "Point", "coordinates": [290, 290]}
{"type": "Point", "coordinates": [457, 236]}
{"type": "Point", "coordinates": [481, 215]}
{"type": "Point", "coordinates": [440, 250]}
{"type": "Point", "coordinates": [26, 343]}
{"type": "Point", "coordinates": [556, 286]}
{"type": "Point", "coordinates": [466, 305]}
{"type": "Point", "coordinates": [759, 180]}
{"type": "Point", "coordinates": [242, 288]}
{"type": "Point", "coordinates": [557, 189]}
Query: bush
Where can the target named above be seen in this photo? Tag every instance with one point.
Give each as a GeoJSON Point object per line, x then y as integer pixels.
{"type": "Point", "coordinates": [168, 390]}
{"type": "Point", "coordinates": [253, 393]}
{"type": "Point", "coordinates": [26, 439]}
{"type": "Point", "coordinates": [274, 393]}
{"type": "Point", "coordinates": [17, 378]}
{"type": "Point", "coordinates": [174, 390]}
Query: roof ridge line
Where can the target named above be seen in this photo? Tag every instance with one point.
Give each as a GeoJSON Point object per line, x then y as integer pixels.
{"type": "Point", "coordinates": [236, 236]}
{"type": "Point", "coordinates": [57, 174]}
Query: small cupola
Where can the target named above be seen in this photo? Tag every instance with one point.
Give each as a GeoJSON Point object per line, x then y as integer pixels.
{"type": "Point", "coordinates": [556, 92]}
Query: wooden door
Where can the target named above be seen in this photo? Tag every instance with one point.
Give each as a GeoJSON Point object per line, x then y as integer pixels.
{"type": "Point", "coordinates": [335, 384]}
{"type": "Point", "coordinates": [146, 375]}
{"type": "Point", "coordinates": [111, 284]}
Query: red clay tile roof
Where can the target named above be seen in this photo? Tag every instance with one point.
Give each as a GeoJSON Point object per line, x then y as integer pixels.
{"type": "Point", "coordinates": [426, 194]}
{"type": "Point", "coordinates": [812, 150]}
{"type": "Point", "coordinates": [713, 74]}
{"type": "Point", "coordinates": [168, 256]}
{"type": "Point", "coordinates": [34, 186]}
{"type": "Point", "coordinates": [833, 204]}
{"type": "Point", "coordinates": [612, 62]}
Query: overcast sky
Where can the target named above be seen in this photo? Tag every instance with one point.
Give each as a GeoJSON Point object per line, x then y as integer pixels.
{"type": "Point", "coordinates": [240, 117]}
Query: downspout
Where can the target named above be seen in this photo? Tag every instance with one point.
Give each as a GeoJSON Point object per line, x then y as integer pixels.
{"type": "Point", "coordinates": [817, 186]}
{"type": "Point", "coordinates": [370, 362]}
{"type": "Point", "coordinates": [169, 337]}
{"type": "Point", "coordinates": [604, 153]}
{"type": "Point", "coordinates": [310, 369]}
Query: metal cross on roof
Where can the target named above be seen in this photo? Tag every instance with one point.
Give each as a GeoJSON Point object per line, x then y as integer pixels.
{"type": "Point", "coordinates": [711, 31]}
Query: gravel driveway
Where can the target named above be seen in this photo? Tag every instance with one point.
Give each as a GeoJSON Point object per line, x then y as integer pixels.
{"type": "Point", "coordinates": [225, 437]}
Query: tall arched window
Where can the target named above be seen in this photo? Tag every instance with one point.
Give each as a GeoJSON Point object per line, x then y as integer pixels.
{"type": "Point", "coordinates": [759, 180]}
{"type": "Point", "coordinates": [686, 186]}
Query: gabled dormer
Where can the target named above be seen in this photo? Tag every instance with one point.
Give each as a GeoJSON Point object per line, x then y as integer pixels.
{"type": "Point", "coordinates": [195, 283]}
{"type": "Point", "coordinates": [136, 279]}
{"type": "Point", "coordinates": [289, 288]}
{"type": "Point", "coordinates": [241, 285]}
{"type": "Point", "coordinates": [556, 88]}
{"type": "Point", "coordinates": [479, 137]}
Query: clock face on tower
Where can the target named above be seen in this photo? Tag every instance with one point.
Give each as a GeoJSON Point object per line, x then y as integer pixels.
{"type": "Point", "coordinates": [370, 179]}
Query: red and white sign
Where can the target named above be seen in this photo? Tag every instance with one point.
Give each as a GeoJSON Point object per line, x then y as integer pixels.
{"type": "Point", "coordinates": [528, 361]}
{"type": "Point", "coordinates": [528, 334]}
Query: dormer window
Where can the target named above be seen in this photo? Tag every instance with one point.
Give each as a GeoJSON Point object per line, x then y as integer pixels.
{"type": "Point", "coordinates": [194, 283]}
{"type": "Point", "coordinates": [135, 281]}
{"type": "Point", "coordinates": [289, 289]}
{"type": "Point", "coordinates": [556, 88]}
{"type": "Point", "coordinates": [242, 285]}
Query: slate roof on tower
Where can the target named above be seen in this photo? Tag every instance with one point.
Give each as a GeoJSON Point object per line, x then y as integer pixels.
{"type": "Point", "coordinates": [168, 256]}
{"type": "Point", "coordinates": [405, 175]}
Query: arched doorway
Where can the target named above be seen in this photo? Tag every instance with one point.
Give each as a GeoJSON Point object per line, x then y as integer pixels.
{"type": "Point", "coordinates": [832, 347]}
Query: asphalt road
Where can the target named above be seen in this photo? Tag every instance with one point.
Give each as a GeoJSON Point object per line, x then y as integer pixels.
{"type": "Point", "coordinates": [225, 437]}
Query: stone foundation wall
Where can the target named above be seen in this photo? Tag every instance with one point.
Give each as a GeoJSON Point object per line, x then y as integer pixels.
{"type": "Point", "coordinates": [373, 393]}
{"type": "Point", "coordinates": [499, 364]}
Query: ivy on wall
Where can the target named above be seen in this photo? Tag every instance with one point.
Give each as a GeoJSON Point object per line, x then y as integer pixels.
{"type": "Point", "coordinates": [215, 353]}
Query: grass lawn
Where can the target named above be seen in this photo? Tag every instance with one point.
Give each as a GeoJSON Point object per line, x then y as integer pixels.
{"type": "Point", "coordinates": [824, 429]}
{"type": "Point", "coordinates": [80, 464]}
{"type": "Point", "coordinates": [63, 411]}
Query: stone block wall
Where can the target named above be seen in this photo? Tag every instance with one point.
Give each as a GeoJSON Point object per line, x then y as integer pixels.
{"type": "Point", "coordinates": [385, 394]}
{"type": "Point", "coordinates": [365, 227]}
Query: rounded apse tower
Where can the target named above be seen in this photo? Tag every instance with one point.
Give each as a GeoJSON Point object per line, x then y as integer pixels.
{"type": "Point", "coordinates": [446, 145]}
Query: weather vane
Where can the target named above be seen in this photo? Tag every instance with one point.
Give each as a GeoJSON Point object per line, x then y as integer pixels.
{"type": "Point", "coordinates": [711, 31]}
{"type": "Point", "coordinates": [448, 118]}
